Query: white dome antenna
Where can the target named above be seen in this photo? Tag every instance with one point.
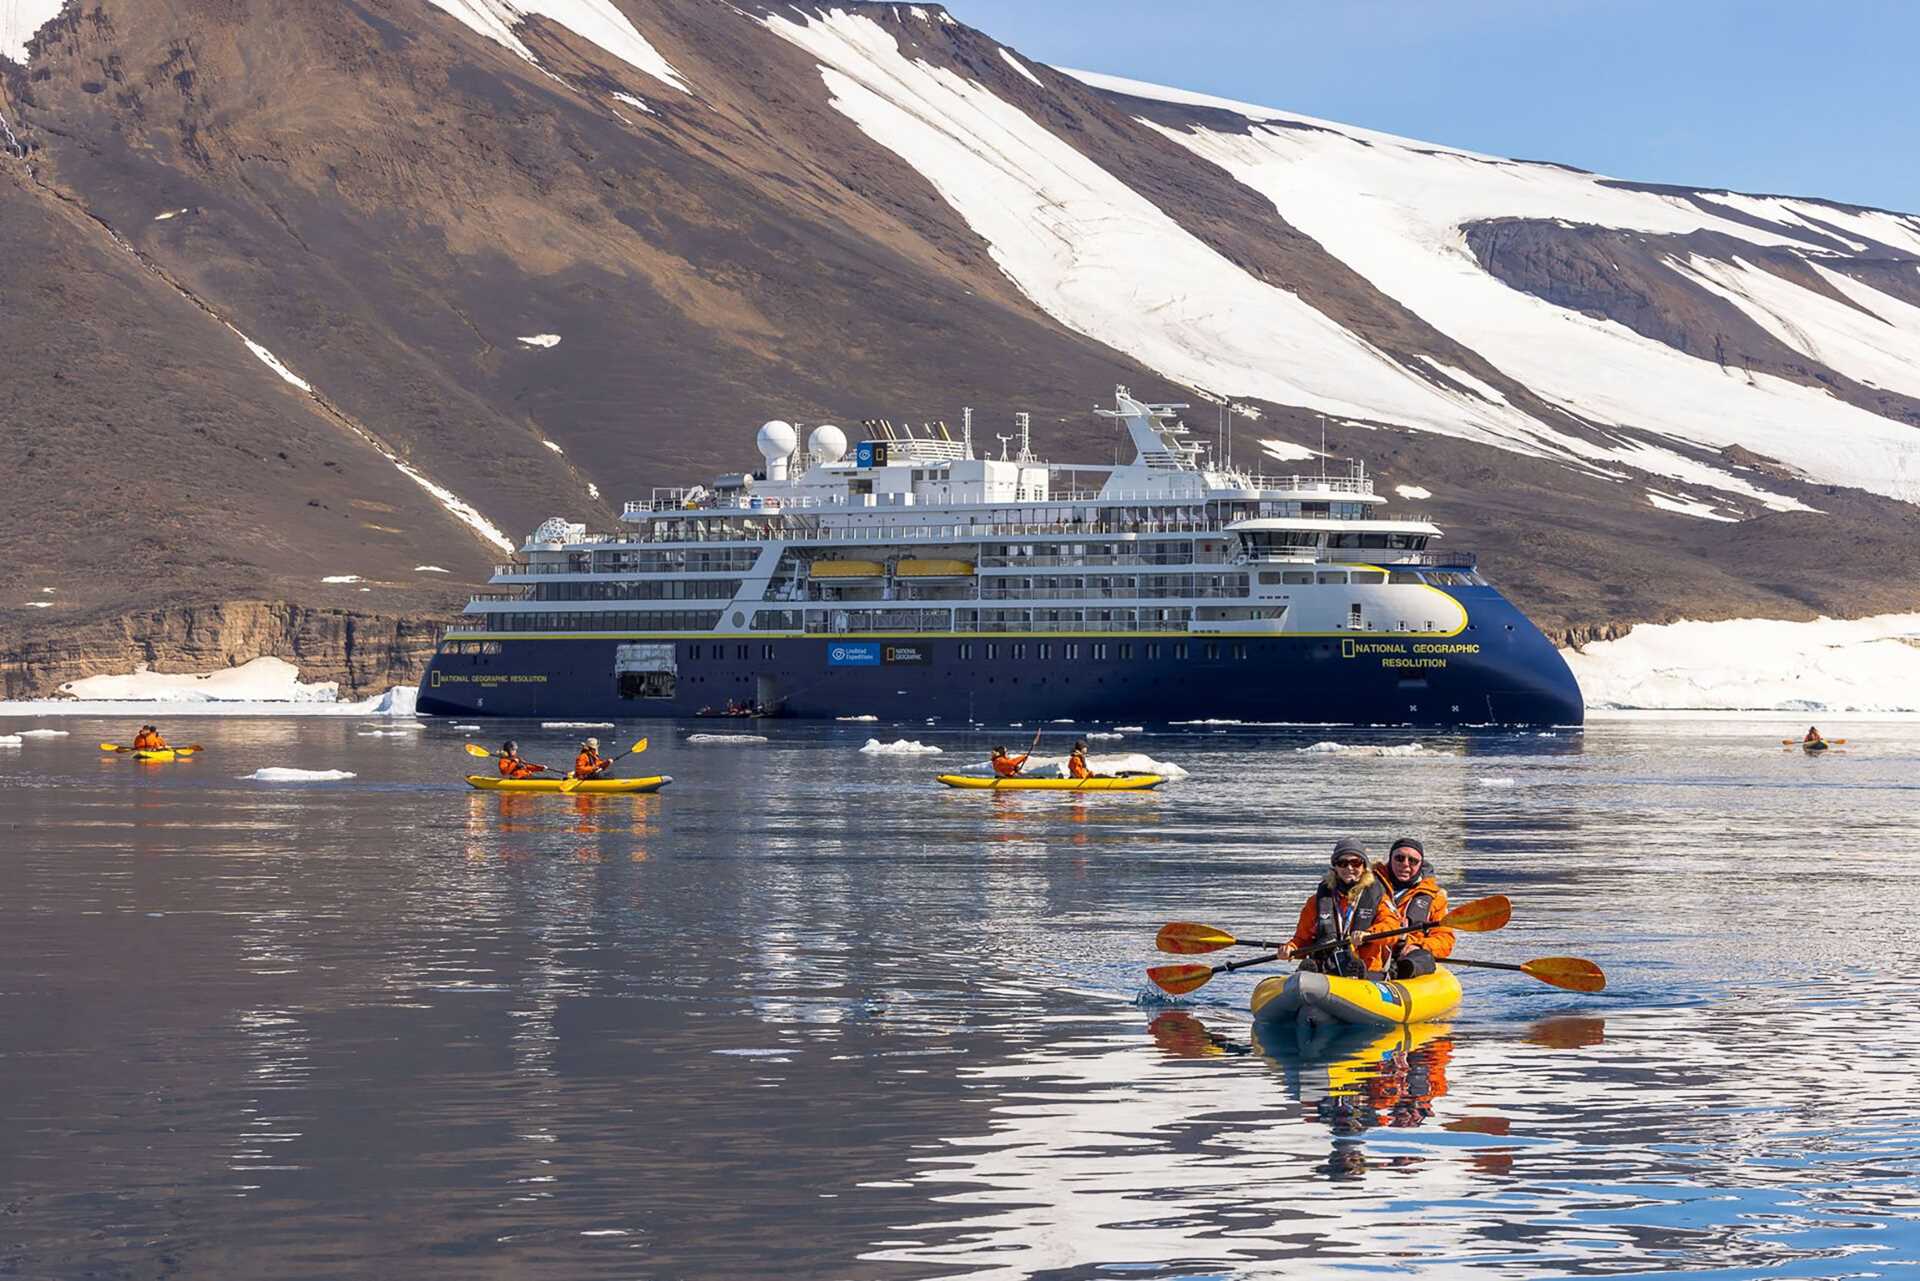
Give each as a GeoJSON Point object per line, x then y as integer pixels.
{"type": "Point", "coordinates": [776, 441]}
{"type": "Point", "coordinates": [827, 443]}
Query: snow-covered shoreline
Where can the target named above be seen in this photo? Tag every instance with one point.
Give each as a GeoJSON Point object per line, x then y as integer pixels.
{"type": "Point", "coordinates": [262, 687]}
{"type": "Point", "coordinates": [1851, 666]}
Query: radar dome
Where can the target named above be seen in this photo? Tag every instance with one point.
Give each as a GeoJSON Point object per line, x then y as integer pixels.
{"type": "Point", "coordinates": [776, 440]}
{"type": "Point", "coordinates": [827, 444]}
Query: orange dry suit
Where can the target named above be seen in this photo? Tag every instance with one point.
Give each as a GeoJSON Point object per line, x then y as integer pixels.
{"type": "Point", "coordinates": [590, 764]}
{"type": "Point", "coordinates": [1077, 766]}
{"type": "Point", "coordinates": [1331, 915]}
{"type": "Point", "coordinates": [1008, 766]}
{"type": "Point", "coordinates": [1418, 904]}
{"type": "Point", "coordinates": [514, 767]}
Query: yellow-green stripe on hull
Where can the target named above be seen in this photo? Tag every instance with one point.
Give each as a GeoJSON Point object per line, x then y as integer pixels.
{"type": "Point", "coordinates": [1327, 998]}
{"type": "Point", "coordinates": [980, 783]}
{"type": "Point", "coordinates": [592, 787]}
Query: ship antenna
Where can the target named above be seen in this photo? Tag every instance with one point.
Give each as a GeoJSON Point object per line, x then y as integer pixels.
{"type": "Point", "coordinates": [1025, 423]}
{"type": "Point", "coordinates": [966, 429]}
{"type": "Point", "coordinates": [1003, 446]}
{"type": "Point", "coordinates": [1323, 445]}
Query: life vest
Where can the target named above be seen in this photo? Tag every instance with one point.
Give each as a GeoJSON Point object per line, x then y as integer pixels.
{"type": "Point", "coordinates": [588, 764]}
{"type": "Point", "coordinates": [1415, 904]}
{"type": "Point", "coordinates": [1327, 928]}
{"type": "Point", "coordinates": [1008, 766]}
{"type": "Point", "coordinates": [1077, 766]}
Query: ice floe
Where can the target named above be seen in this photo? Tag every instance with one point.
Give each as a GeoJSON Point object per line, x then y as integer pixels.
{"type": "Point", "coordinates": [1097, 736]}
{"type": "Point", "coordinates": [1129, 729]}
{"type": "Point", "coordinates": [10, 740]}
{"type": "Point", "coordinates": [1828, 664]}
{"type": "Point", "coordinates": [729, 740]}
{"type": "Point", "coordinates": [1494, 782]}
{"type": "Point", "coordinates": [858, 719]}
{"type": "Point", "coordinates": [43, 733]}
{"type": "Point", "coordinates": [576, 724]}
{"type": "Point", "coordinates": [899, 747]}
{"type": "Point", "coordinates": [287, 774]}
{"type": "Point", "coordinates": [1330, 748]}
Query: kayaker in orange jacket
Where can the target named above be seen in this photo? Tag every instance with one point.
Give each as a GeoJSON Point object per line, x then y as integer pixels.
{"type": "Point", "coordinates": [1007, 766]}
{"type": "Point", "coordinates": [1077, 763]}
{"type": "Point", "coordinates": [1350, 904]}
{"type": "Point", "coordinates": [1418, 899]}
{"type": "Point", "coordinates": [149, 740]}
{"type": "Point", "coordinates": [589, 763]}
{"type": "Point", "coordinates": [511, 766]}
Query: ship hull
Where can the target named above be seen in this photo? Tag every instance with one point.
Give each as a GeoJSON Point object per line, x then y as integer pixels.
{"type": "Point", "coordinates": [1499, 670]}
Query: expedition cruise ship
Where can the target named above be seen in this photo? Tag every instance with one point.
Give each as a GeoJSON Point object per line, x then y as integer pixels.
{"type": "Point", "coordinates": [910, 579]}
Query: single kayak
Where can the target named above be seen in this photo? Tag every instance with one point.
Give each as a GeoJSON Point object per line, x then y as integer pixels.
{"type": "Point", "coordinates": [1327, 998]}
{"type": "Point", "coordinates": [593, 786]}
{"type": "Point", "coordinates": [1098, 783]}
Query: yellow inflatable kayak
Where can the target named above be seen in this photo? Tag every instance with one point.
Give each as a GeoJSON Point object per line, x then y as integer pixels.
{"type": "Point", "coordinates": [1326, 998]}
{"type": "Point", "coordinates": [1099, 783]}
{"type": "Point", "coordinates": [592, 787]}
{"type": "Point", "coordinates": [155, 754]}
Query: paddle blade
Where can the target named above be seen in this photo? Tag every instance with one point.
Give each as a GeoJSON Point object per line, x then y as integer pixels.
{"type": "Point", "coordinates": [571, 783]}
{"type": "Point", "coordinates": [640, 746]}
{"type": "Point", "coordinates": [1569, 972]}
{"type": "Point", "coordinates": [112, 747]}
{"type": "Point", "coordinates": [1190, 938]}
{"type": "Point", "coordinates": [1179, 979]}
{"type": "Point", "coordinates": [474, 749]}
{"type": "Point", "coordinates": [1481, 916]}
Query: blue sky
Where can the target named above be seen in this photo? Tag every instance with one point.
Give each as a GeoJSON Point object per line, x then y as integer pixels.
{"type": "Point", "coordinates": [1797, 99]}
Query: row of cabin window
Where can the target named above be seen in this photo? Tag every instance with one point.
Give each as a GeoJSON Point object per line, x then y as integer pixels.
{"type": "Point", "coordinates": [1096, 651]}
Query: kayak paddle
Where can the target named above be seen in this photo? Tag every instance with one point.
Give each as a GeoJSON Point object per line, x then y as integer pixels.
{"type": "Point", "coordinates": [573, 782]}
{"type": "Point", "coordinates": [188, 750]}
{"type": "Point", "coordinates": [1569, 972]}
{"type": "Point", "coordinates": [474, 749]}
{"type": "Point", "coordinates": [1801, 742]}
{"type": "Point", "coordinates": [1187, 938]}
{"type": "Point", "coordinates": [1488, 914]}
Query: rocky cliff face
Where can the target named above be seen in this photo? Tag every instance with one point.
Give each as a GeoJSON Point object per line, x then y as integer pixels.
{"type": "Point", "coordinates": [314, 305]}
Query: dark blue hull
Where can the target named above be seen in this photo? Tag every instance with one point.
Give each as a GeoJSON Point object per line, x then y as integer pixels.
{"type": "Point", "coordinates": [1500, 670]}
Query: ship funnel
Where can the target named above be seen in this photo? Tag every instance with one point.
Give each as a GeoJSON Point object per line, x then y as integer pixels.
{"type": "Point", "coordinates": [776, 441]}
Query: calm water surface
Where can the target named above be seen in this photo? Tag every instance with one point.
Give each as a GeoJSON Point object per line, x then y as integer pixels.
{"type": "Point", "coordinates": [804, 1014]}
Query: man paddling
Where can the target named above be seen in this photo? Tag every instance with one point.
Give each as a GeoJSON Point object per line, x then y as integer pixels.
{"type": "Point", "coordinates": [1350, 903]}
{"type": "Point", "coordinates": [1007, 766]}
{"type": "Point", "coordinates": [589, 763]}
{"type": "Point", "coordinates": [511, 766]}
{"type": "Point", "coordinates": [149, 740]}
{"type": "Point", "coordinates": [1813, 736]}
{"type": "Point", "coordinates": [1419, 900]}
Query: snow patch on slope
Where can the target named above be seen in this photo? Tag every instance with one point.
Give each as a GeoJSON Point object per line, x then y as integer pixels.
{"type": "Point", "coordinates": [598, 21]}
{"type": "Point", "coordinates": [1020, 66]}
{"type": "Point", "coordinates": [1106, 262]}
{"type": "Point", "coordinates": [1685, 505]}
{"type": "Point", "coordinates": [19, 19]}
{"type": "Point", "coordinates": [1828, 665]}
{"type": "Point", "coordinates": [539, 340]}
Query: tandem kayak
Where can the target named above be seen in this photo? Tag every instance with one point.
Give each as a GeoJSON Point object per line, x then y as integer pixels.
{"type": "Point", "coordinates": [155, 754]}
{"type": "Point", "coordinates": [1326, 998]}
{"type": "Point", "coordinates": [1099, 783]}
{"type": "Point", "coordinates": [592, 787]}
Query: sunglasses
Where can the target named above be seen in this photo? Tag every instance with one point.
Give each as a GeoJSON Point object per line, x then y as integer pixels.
{"type": "Point", "coordinates": [1350, 862]}
{"type": "Point", "coordinates": [1406, 858]}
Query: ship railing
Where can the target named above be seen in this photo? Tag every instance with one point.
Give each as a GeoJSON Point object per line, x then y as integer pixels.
{"type": "Point", "coordinates": [1100, 559]}
{"type": "Point", "coordinates": [488, 598]}
{"type": "Point", "coordinates": [1118, 598]}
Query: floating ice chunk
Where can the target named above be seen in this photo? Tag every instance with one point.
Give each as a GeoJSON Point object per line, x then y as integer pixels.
{"type": "Point", "coordinates": [540, 340]}
{"type": "Point", "coordinates": [899, 747]}
{"type": "Point", "coordinates": [1494, 782]}
{"type": "Point", "coordinates": [576, 724]}
{"type": "Point", "coordinates": [287, 774]}
{"type": "Point", "coordinates": [1361, 749]}
{"type": "Point", "coordinates": [42, 733]}
{"type": "Point", "coordinates": [10, 740]}
{"type": "Point", "coordinates": [466, 727]}
{"type": "Point", "coordinates": [1097, 737]}
{"type": "Point", "coordinates": [727, 739]}
{"type": "Point", "coordinates": [862, 719]}
{"type": "Point", "coordinates": [1129, 729]}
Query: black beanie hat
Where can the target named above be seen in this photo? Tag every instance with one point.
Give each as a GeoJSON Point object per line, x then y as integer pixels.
{"type": "Point", "coordinates": [1413, 841]}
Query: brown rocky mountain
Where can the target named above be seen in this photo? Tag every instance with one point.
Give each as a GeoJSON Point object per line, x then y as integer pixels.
{"type": "Point", "coordinates": [1637, 403]}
